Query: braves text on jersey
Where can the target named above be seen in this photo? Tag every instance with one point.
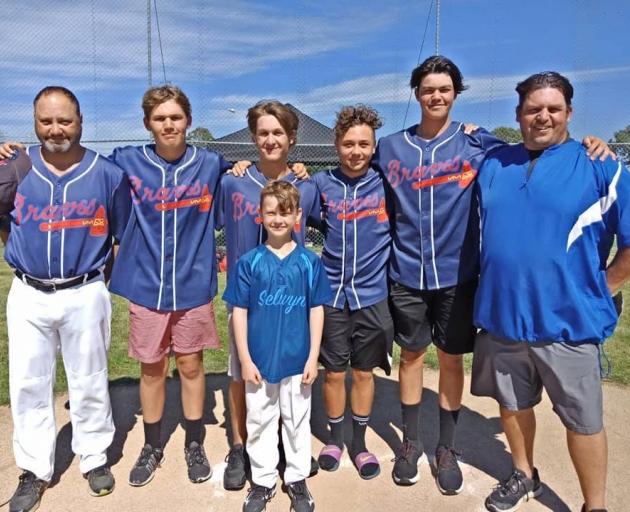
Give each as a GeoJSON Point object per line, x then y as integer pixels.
{"type": "Point", "coordinates": [62, 226]}
{"type": "Point", "coordinates": [357, 244]}
{"type": "Point", "coordinates": [167, 256]}
{"type": "Point", "coordinates": [435, 224]}
{"type": "Point", "coordinates": [278, 294]}
{"type": "Point", "coordinates": [238, 210]}
{"type": "Point", "coordinates": [547, 231]}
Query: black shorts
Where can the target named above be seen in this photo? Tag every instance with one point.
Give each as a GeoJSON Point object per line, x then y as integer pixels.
{"type": "Point", "coordinates": [362, 338]}
{"type": "Point", "coordinates": [444, 317]}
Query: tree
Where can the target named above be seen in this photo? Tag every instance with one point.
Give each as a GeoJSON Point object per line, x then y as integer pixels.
{"type": "Point", "coordinates": [622, 137]}
{"type": "Point", "coordinates": [200, 135]}
{"type": "Point", "coordinates": [507, 134]}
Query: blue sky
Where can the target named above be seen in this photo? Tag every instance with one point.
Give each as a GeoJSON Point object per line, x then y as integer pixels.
{"type": "Point", "coordinates": [318, 55]}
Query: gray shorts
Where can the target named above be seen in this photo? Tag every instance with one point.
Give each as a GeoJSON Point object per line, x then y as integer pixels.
{"type": "Point", "coordinates": [234, 363]}
{"type": "Point", "coordinates": [514, 374]}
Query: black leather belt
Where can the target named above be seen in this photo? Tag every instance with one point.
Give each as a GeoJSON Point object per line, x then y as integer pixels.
{"type": "Point", "coordinates": [47, 286]}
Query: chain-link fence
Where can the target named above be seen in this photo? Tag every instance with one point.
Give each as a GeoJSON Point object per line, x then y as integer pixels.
{"type": "Point", "coordinates": [317, 56]}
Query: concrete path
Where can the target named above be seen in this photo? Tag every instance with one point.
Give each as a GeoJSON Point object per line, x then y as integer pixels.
{"type": "Point", "coordinates": [483, 447]}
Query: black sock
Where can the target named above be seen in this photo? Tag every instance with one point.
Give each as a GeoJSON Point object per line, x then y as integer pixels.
{"type": "Point", "coordinates": [329, 462]}
{"type": "Point", "coordinates": [448, 424]}
{"type": "Point", "coordinates": [336, 431]}
{"type": "Point", "coordinates": [367, 470]}
{"type": "Point", "coordinates": [193, 431]}
{"type": "Point", "coordinates": [359, 426]}
{"type": "Point", "coordinates": [152, 433]}
{"type": "Point", "coordinates": [411, 424]}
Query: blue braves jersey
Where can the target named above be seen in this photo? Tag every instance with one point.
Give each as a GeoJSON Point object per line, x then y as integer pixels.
{"type": "Point", "coordinates": [547, 229]}
{"type": "Point", "coordinates": [238, 210]}
{"type": "Point", "coordinates": [62, 226]}
{"type": "Point", "coordinates": [357, 243]}
{"type": "Point", "coordinates": [278, 294]}
{"type": "Point", "coordinates": [435, 224]}
{"type": "Point", "coordinates": [167, 256]}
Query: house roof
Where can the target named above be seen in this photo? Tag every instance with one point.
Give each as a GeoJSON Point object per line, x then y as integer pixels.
{"type": "Point", "coordinates": [315, 143]}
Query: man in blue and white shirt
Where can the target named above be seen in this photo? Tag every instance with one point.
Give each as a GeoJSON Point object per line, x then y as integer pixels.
{"type": "Point", "coordinates": [549, 215]}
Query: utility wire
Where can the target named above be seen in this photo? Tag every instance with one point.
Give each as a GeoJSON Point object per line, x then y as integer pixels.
{"type": "Point", "coordinates": [426, 26]}
{"type": "Point", "coordinates": [157, 23]}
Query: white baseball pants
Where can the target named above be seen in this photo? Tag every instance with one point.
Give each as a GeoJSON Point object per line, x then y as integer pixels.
{"type": "Point", "coordinates": [76, 320]}
{"type": "Point", "coordinates": [266, 403]}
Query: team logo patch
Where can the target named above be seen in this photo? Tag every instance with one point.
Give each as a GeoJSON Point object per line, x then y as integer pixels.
{"type": "Point", "coordinates": [97, 224]}
{"type": "Point", "coordinates": [464, 178]}
{"type": "Point", "coordinates": [438, 173]}
{"type": "Point", "coordinates": [204, 202]}
{"type": "Point", "coordinates": [380, 213]}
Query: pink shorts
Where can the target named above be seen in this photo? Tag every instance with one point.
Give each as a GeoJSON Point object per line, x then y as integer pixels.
{"type": "Point", "coordinates": [155, 334]}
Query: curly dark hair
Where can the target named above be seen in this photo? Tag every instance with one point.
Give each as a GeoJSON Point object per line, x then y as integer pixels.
{"type": "Point", "coordinates": [356, 115]}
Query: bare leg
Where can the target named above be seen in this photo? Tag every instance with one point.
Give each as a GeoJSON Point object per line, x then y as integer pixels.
{"type": "Point", "coordinates": [451, 385]}
{"type": "Point", "coordinates": [520, 430]}
{"type": "Point", "coordinates": [335, 393]}
{"type": "Point", "coordinates": [193, 384]}
{"type": "Point", "coordinates": [411, 376]}
{"type": "Point", "coordinates": [589, 454]}
{"type": "Point", "coordinates": [362, 394]}
{"type": "Point", "coordinates": [153, 389]}
{"type": "Point", "coordinates": [238, 411]}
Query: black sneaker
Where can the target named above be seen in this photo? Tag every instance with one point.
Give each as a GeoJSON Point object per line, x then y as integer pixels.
{"type": "Point", "coordinates": [448, 476]}
{"type": "Point", "coordinates": [143, 470]}
{"type": "Point", "coordinates": [28, 493]}
{"type": "Point", "coordinates": [593, 509]}
{"type": "Point", "coordinates": [314, 467]}
{"type": "Point", "coordinates": [235, 475]}
{"type": "Point", "coordinates": [199, 469]}
{"type": "Point", "coordinates": [257, 498]}
{"type": "Point", "coordinates": [517, 489]}
{"type": "Point", "coordinates": [100, 481]}
{"type": "Point", "coordinates": [301, 499]}
{"type": "Point", "coordinates": [405, 470]}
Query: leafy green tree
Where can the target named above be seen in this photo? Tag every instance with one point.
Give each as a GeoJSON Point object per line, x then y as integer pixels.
{"type": "Point", "coordinates": [199, 134]}
{"type": "Point", "coordinates": [622, 137]}
{"type": "Point", "coordinates": [508, 134]}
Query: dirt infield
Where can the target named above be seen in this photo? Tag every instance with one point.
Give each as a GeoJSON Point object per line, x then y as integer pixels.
{"type": "Point", "coordinates": [480, 440]}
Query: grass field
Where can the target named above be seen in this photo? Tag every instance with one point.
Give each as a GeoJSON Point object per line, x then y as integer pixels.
{"type": "Point", "coordinates": [120, 365]}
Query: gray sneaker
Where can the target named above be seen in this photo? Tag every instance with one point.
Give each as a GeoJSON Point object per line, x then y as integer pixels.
{"type": "Point", "coordinates": [513, 492]}
{"type": "Point", "coordinates": [448, 475]}
{"type": "Point", "coordinates": [144, 469]}
{"type": "Point", "coordinates": [28, 493]}
{"type": "Point", "coordinates": [301, 499]}
{"type": "Point", "coordinates": [100, 481]}
{"type": "Point", "coordinates": [235, 475]}
{"type": "Point", "coordinates": [199, 469]}
{"type": "Point", "coordinates": [405, 471]}
{"type": "Point", "coordinates": [258, 497]}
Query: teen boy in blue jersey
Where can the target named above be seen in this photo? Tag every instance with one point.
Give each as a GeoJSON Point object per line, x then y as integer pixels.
{"type": "Point", "coordinates": [165, 267]}
{"type": "Point", "coordinates": [430, 169]}
{"type": "Point", "coordinates": [273, 127]}
{"type": "Point", "coordinates": [358, 328]}
{"type": "Point", "coordinates": [548, 218]}
{"type": "Point", "coordinates": [67, 212]}
{"type": "Point", "coordinates": [277, 291]}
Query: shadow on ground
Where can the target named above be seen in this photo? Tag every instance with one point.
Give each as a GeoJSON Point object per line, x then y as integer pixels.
{"type": "Point", "coordinates": [476, 437]}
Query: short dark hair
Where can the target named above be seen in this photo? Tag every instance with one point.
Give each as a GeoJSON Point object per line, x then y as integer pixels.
{"type": "Point", "coordinates": [52, 89]}
{"type": "Point", "coordinates": [287, 195]}
{"type": "Point", "coordinates": [285, 116]}
{"type": "Point", "coordinates": [356, 115]}
{"type": "Point", "coordinates": [438, 64]}
{"type": "Point", "coordinates": [543, 80]}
